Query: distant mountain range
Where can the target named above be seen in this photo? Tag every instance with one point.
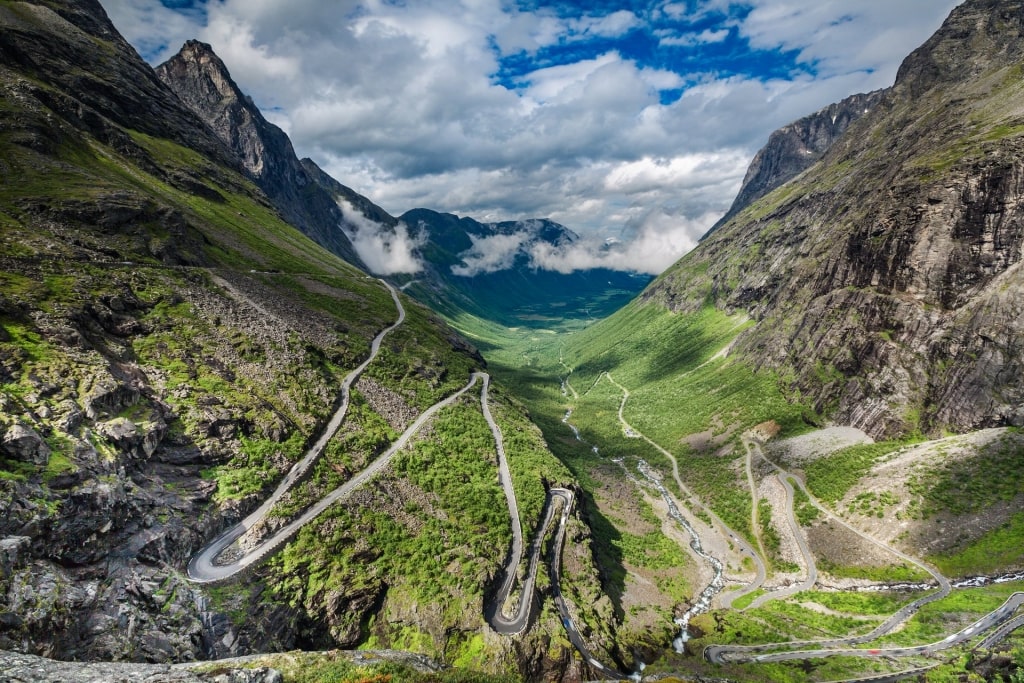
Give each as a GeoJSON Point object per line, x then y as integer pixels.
{"type": "Point", "coordinates": [487, 270]}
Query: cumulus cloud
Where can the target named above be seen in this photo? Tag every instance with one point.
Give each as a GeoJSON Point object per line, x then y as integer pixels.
{"type": "Point", "coordinates": [383, 250]}
{"type": "Point", "coordinates": [836, 34]}
{"type": "Point", "coordinates": [467, 106]}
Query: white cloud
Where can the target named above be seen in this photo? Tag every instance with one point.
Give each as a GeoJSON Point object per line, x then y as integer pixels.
{"type": "Point", "coordinates": [837, 35]}
{"type": "Point", "coordinates": [660, 241]}
{"type": "Point", "coordinates": [383, 250]}
{"type": "Point", "coordinates": [705, 37]}
{"type": "Point", "coordinates": [403, 101]}
{"type": "Point", "coordinates": [611, 25]}
{"type": "Point", "coordinates": [490, 254]}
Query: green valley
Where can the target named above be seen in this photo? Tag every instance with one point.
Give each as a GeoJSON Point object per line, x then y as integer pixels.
{"type": "Point", "coordinates": [228, 452]}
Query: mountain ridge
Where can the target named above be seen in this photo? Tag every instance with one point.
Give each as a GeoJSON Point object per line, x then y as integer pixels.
{"type": "Point", "coordinates": [796, 147]}
{"type": "Point", "coordinates": [201, 80]}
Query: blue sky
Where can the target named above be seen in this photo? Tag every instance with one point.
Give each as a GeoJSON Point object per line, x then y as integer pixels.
{"type": "Point", "coordinates": [630, 119]}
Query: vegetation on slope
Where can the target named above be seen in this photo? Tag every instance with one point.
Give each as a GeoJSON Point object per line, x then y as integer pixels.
{"type": "Point", "coordinates": [175, 345]}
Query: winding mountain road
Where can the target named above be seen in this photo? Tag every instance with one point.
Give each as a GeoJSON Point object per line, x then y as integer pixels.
{"type": "Point", "coordinates": [745, 653]}
{"type": "Point", "coordinates": [499, 621]}
{"type": "Point", "coordinates": [808, 558]}
{"type": "Point", "coordinates": [1000, 619]}
{"type": "Point", "coordinates": [202, 568]}
{"type": "Point", "coordinates": [991, 620]}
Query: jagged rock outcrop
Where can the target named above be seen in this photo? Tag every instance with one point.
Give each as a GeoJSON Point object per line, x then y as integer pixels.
{"type": "Point", "coordinates": [887, 279]}
{"type": "Point", "coordinates": [796, 147]}
{"type": "Point", "coordinates": [201, 81]}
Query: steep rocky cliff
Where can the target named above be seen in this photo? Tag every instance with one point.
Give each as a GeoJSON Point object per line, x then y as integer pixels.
{"type": "Point", "coordinates": [201, 81]}
{"type": "Point", "coordinates": [796, 147]}
{"type": "Point", "coordinates": [886, 279]}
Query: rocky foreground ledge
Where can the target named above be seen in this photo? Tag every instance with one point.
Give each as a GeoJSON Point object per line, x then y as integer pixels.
{"type": "Point", "coordinates": [22, 668]}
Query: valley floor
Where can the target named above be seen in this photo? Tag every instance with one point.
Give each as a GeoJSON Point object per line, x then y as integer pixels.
{"type": "Point", "coordinates": [809, 554]}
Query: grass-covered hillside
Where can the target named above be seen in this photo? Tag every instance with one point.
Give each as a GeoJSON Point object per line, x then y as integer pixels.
{"type": "Point", "coordinates": [169, 346]}
{"type": "Point", "coordinates": [692, 399]}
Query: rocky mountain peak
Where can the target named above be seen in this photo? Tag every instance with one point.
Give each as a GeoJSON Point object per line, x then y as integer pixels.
{"type": "Point", "coordinates": [202, 81]}
{"type": "Point", "coordinates": [113, 87]}
{"type": "Point", "coordinates": [213, 81]}
{"type": "Point", "coordinates": [977, 36]}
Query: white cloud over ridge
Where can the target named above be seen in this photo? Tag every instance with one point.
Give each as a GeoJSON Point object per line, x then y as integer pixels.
{"type": "Point", "coordinates": [491, 254]}
{"type": "Point", "coordinates": [405, 102]}
{"type": "Point", "coordinates": [383, 250]}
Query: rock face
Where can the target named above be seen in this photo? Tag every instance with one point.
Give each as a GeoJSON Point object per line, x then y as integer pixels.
{"type": "Point", "coordinates": [201, 81]}
{"type": "Point", "coordinates": [886, 279]}
{"type": "Point", "coordinates": [23, 443]}
{"type": "Point", "coordinates": [30, 669]}
{"type": "Point", "coordinates": [796, 147]}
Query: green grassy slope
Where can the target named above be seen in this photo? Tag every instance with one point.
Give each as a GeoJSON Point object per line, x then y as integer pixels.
{"type": "Point", "coordinates": [168, 337]}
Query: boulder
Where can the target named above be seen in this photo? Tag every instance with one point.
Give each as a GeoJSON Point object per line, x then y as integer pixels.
{"type": "Point", "coordinates": [13, 550]}
{"type": "Point", "coordinates": [24, 443]}
{"type": "Point", "coordinates": [131, 438]}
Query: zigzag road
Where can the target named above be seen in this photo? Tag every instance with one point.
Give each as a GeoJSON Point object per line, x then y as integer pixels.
{"type": "Point", "coordinates": [801, 542]}
{"type": "Point", "coordinates": [202, 568]}
{"type": "Point", "coordinates": [989, 621]}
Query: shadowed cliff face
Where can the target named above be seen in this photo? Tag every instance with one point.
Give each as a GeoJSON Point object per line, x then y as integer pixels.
{"type": "Point", "coordinates": [886, 279]}
{"type": "Point", "coordinates": [202, 82]}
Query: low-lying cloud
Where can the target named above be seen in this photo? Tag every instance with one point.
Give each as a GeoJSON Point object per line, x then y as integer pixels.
{"type": "Point", "coordinates": [491, 254]}
{"type": "Point", "coordinates": [385, 251]}
{"type": "Point", "coordinates": [657, 241]}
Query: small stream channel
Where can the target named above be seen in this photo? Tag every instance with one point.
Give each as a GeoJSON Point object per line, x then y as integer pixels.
{"type": "Point", "coordinates": [702, 602]}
